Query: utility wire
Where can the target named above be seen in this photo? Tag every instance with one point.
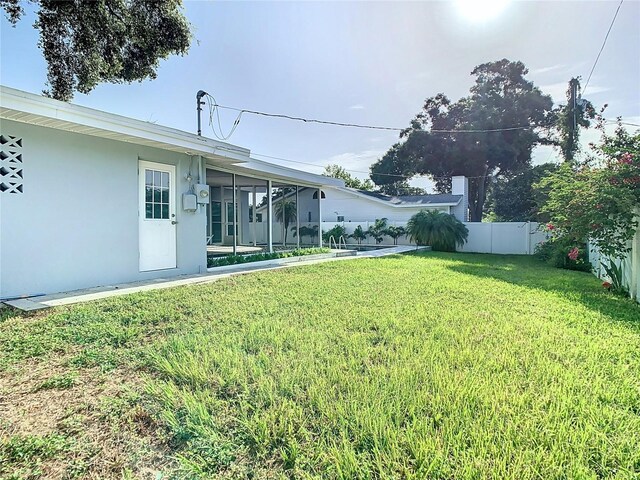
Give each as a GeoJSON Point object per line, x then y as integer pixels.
{"type": "Point", "coordinates": [357, 125]}
{"type": "Point", "coordinates": [602, 47]}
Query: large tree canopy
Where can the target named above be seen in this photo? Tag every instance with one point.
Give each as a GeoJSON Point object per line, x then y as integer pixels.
{"type": "Point", "coordinates": [88, 42]}
{"type": "Point", "coordinates": [501, 99]}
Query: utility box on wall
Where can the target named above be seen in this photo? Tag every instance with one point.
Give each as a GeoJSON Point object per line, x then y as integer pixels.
{"type": "Point", "coordinates": [189, 202]}
{"type": "Point", "coordinates": [202, 193]}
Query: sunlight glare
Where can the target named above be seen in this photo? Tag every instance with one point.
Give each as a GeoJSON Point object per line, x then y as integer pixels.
{"type": "Point", "coordinates": [480, 10]}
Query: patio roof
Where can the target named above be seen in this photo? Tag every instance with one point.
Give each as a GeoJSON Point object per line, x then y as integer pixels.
{"type": "Point", "coordinates": [25, 107]}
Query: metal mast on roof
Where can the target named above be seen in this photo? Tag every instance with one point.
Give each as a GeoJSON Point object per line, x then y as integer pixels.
{"type": "Point", "coordinates": [199, 103]}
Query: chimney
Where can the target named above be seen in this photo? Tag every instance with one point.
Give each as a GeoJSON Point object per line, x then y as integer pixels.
{"type": "Point", "coordinates": [460, 186]}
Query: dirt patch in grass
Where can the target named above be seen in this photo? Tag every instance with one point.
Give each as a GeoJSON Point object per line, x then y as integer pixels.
{"type": "Point", "coordinates": [59, 422]}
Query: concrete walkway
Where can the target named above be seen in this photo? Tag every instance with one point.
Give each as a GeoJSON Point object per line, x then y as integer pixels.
{"type": "Point", "coordinates": [214, 274]}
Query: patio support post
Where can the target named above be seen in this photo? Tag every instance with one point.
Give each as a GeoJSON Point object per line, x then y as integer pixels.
{"type": "Point", "coordinates": [235, 215]}
{"type": "Point", "coordinates": [319, 218]}
{"type": "Point", "coordinates": [297, 216]}
{"type": "Point", "coordinates": [253, 217]}
{"type": "Point", "coordinates": [269, 217]}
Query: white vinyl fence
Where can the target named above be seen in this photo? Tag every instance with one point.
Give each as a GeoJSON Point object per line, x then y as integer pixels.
{"type": "Point", "coordinates": [518, 238]}
{"type": "Point", "coordinates": [630, 265]}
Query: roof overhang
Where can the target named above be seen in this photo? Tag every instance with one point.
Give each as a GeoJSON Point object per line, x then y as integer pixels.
{"type": "Point", "coordinates": [20, 106]}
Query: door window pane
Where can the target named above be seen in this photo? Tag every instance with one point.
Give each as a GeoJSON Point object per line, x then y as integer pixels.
{"type": "Point", "coordinates": [157, 194]}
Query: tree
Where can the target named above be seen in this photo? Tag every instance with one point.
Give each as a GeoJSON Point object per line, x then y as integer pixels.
{"type": "Point", "coordinates": [336, 171]}
{"type": "Point", "coordinates": [358, 234]}
{"type": "Point", "coordinates": [504, 116]}
{"type": "Point", "coordinates": [116, 41]}
{"type": "Point", "coordinates": [440, 230]}
{"type": "Point", "coordinates": [377, 231]}
{"type": "Point", "coordinates": [516, 200]}
{"type": "Point", "coordinates": [285, 211]}
{"type": "Point", "coordinates": [395, 233]}
{"type": "Point", "coordinates": [570, 117]}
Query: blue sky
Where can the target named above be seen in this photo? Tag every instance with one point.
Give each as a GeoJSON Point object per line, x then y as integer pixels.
{"type": "Point", "coordinates": [362, 62]}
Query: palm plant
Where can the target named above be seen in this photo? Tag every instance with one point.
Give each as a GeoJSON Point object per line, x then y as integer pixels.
{"type": "Point", "coordinates": [395, 233]}
{"type": "Point", "coordinates": [285, 212]}
{"type": "Point", "coordinates": [378, 229]}
{"type": "Point", "coordinates": [440, 230]}
{"type": "Point", "coordinates": [358, 234]}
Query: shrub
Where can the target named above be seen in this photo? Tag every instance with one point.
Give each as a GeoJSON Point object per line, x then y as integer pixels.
{"type": "Point", "coordinates": [437, 229]}
{"type": "Point", "coordinates": [257, 257]}
{"type": "Point", "coordinates": [555, 252]}
{"type": "Point", "coordinates": [336, 232]}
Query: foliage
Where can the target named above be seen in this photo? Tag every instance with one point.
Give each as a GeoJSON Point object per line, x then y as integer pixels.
{"type": "Point", "coordinates": [555, 252]}
{"type": "Point", "coordinates": [285, 211]}
{"type": "Point", "coordinates": [336, 232]}
{"type": "Point", "coordinates": [336, 171]}
{"type": "Point", "coordinates": [395, 233]}
{"type": "Point", "coordinates": [306, 231]}
{"type": "Point", "coordinates": [441, 231]}
{"type": "Point", "coordinates": [358, 234]}
{"type": "Point", "coordinates": [596, 201]}
{"type": "Point", "coordinates": [319, 372]}
{"type": "Point", "coordinates": [258, 257]}
{"type": "Point", "coordinates": [616, 275]}
{"type": "Point", "coordinates": [515, 199]}
{"type": "Point", "coordinates": [570, 118]}
{"type": "Point", "coordinates": [85, 43]}
{"type": "Point", "coordinates": [500, 98]}
{"type": "Point", "coordinates": [378, 230]}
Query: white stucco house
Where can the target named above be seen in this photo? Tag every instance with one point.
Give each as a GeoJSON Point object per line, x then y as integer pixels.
{"type": "Point", "coordinates": [88, 198]}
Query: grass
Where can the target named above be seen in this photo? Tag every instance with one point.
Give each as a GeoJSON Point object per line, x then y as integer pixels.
{"type": "Point", "coordinates": [406, 367]}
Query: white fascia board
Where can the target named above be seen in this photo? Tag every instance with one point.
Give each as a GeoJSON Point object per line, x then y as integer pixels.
{"type": "Point", "coordinates": [14, 102]}
{"type": "Point", "coordinates": [285, 174]}
{"type": "Point", "coordinates": [394, 205]}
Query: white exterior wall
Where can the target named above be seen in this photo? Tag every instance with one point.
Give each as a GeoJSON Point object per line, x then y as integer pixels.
{"type": "Point", "coordinates": [76, 224]}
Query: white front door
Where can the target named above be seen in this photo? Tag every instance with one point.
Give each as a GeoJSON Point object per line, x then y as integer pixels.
{"type": "Point", "coordinates": [157, 216]}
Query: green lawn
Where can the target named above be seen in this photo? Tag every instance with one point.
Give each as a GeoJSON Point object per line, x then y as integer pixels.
{"type": "Point", "coordinates": [408, 367]}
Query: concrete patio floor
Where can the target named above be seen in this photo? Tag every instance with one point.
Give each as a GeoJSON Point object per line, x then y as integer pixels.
{"type": "Point", "coordinates": [214, 274]}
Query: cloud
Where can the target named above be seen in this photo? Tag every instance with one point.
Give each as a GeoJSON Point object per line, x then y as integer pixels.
{"type": "Point", "coordinates": [356, 163]}
{"type": "Point", "coordinates": [550, 68]}
{"type": "Point", "coordinates": [356, 107]}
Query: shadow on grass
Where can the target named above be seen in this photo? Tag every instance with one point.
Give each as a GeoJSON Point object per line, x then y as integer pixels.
{"type": "Point", "coordinates": [529, 272]}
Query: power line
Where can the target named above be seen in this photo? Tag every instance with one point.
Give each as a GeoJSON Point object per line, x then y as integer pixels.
{"type": "Point", "coordinates": [215, 106]}
{"type": "Point", "coordinates": [602, 47]}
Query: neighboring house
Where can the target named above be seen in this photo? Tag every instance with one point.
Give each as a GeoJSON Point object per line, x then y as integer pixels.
{"type": "Point", "coordinates": [89, 198]}
{"type": "Point", "coordinates": [342, 204]}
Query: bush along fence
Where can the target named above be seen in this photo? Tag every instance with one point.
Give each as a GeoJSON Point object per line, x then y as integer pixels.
{"type": "Point", "coordinates": [620, 273]}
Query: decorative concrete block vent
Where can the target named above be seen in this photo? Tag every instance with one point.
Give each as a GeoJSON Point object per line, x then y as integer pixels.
{"type": "Point", "coordinates": [11, 172]}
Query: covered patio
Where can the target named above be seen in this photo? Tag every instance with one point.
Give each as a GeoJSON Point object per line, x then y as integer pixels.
{"type": "Point", "coordinates": [250, 211]}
